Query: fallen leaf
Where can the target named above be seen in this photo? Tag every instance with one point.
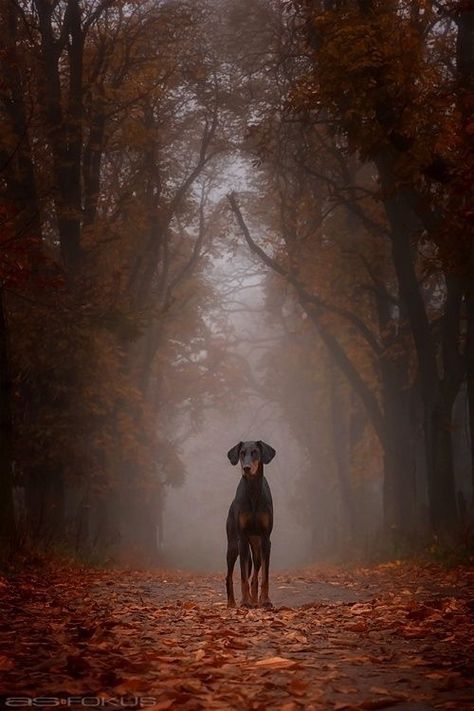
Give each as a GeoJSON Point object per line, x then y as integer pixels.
{"type": "Point", "coordinates": [276, 662]}
{"type": "Point", "coordinates": [297, 687]}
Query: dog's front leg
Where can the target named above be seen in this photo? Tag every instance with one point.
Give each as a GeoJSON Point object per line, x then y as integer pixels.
{"type": "Point", "coordinates": [256, 549]}
{"type": "Point", "coordinates": [264, 600]}
{"type": "Point", "coordinates": [244, 554]}
{"type": "Point", "coordinates": [232, 553]}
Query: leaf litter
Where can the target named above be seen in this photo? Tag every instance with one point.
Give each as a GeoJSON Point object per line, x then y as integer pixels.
{"type": "Point", "coordinates": [393, 636]}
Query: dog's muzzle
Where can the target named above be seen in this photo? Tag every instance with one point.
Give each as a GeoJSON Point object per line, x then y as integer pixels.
{"type": "Point", "coordinates": [251, 469]}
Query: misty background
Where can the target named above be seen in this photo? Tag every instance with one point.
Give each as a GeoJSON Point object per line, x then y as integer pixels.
{"type": "Point", "coordinates": [194, 515]}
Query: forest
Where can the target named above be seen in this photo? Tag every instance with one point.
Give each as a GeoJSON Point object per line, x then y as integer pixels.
{"type": "Point", "coordinates": [131, 131]}
{"type": "Point", "coordinates": [224, 220]}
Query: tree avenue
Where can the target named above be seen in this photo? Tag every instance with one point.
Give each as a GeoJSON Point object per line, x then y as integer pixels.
{"type": "Point", "coordinates": [148, 149]}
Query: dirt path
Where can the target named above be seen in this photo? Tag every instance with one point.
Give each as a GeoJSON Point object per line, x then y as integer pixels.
{"type": "Point", "coordinates": [396, 636]}
{"type": "Point", "coordinates": [288, 589]}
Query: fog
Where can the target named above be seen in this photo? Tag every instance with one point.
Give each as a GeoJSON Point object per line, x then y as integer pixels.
{"type": "Point", "coordinates": [193, 535]}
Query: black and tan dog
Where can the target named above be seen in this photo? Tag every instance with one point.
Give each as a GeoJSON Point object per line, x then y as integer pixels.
{"type": "Point", "coordinates": [250, 523]}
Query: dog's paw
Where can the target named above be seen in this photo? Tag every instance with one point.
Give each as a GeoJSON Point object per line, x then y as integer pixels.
{"type": "Point", "coordinates": [266, 604]}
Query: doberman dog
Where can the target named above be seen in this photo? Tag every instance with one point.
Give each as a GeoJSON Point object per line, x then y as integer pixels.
{"type": "Point", "coordinates": [250, 523]}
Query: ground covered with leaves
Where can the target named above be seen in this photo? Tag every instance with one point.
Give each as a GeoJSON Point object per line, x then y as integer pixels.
{"type": "Point", "coordinates": [397, 635]}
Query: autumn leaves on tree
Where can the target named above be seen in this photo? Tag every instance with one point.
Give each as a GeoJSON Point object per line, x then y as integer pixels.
{"type": "Point", "coordinates": [110, 120]}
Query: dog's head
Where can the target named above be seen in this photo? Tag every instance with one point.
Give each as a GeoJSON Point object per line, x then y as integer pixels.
{"type": "Point", "coordinates": [251, 456]}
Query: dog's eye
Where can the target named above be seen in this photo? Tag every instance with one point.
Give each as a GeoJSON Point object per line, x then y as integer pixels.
{"type": "Point", "coordinates": [254, 453]}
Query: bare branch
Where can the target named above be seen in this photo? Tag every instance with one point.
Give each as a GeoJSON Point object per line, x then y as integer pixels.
{"type": "Point", "coordinates": [304, 295]}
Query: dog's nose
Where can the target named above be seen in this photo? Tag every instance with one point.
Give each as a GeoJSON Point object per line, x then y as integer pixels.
{"type": "Point", "coordinates": [247, 470]}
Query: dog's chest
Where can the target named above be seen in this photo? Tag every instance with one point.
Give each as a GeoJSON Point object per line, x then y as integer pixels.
{"type": "Point", "coordinates": [254, 522]}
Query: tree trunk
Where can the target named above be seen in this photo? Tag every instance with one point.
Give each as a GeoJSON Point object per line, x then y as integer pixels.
{"type": "Point", "coordinates": [435, 396]}
{"type": "Point", "coordinates": [82, 523]}
{"type": "Point", "coordinates": [342, 462]}
{"type": "Point", "coordinates": [34, 502]}
{"type": "Point", "coordinates": [55, 514]}
{"type": "Point", "coordinates": [442, 494]}
{"type": "Point", "coordinates": [107, 536]}
{"type": "Point", "coordinates": [7, 510]}
{"type": "Point", "coordinates": [465, 101]}
{"type": "Point", "coordinates": [64, 117]}
{"type": "Point", "coordinates": [399, 491]}
{"type": "Point", "coordinates": [470, 374]}
{"type": "Point", "coordinates": [399, 405]}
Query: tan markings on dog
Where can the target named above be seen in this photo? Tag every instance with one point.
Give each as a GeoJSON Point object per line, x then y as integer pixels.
{"type": "Point", "coordinates": [264, 519]}
{"type": "Point", "coordinates": [254, 466]}
{"type": "Point", "coordinates": [244, 519]}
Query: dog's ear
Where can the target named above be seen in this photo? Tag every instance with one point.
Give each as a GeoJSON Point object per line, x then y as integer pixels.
{"type": "Point", "coordinates": [234, 453]}
{"type": "Point", "coordinates": [267, 452]}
